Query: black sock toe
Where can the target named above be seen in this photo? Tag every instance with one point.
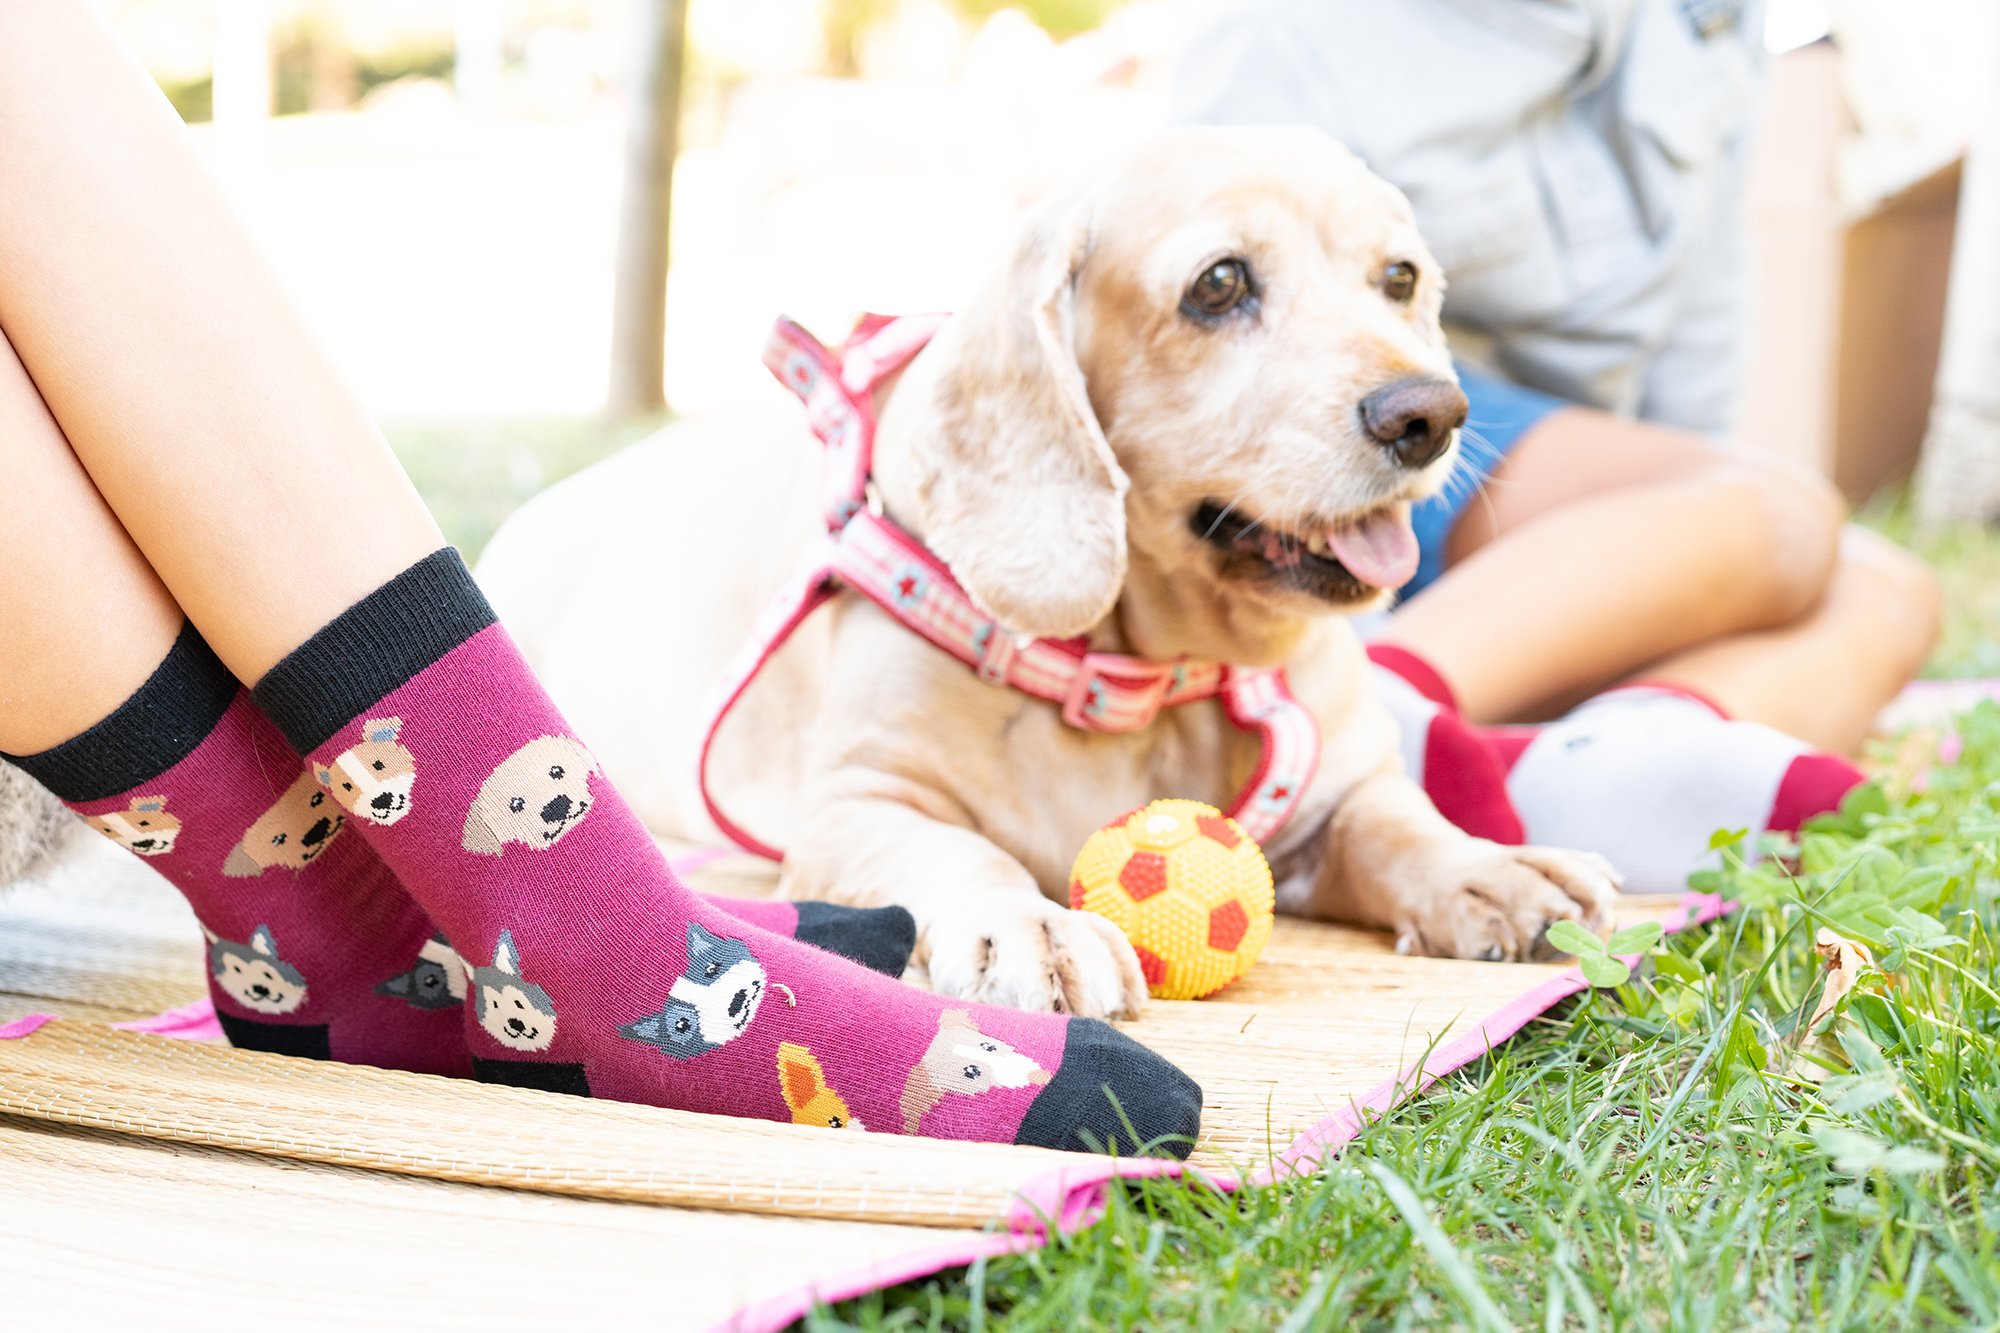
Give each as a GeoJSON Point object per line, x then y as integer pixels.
{"type": "Point", "coordinates": [1112, 1095]}
{"type": "Point", "coordinates": [879, 938]}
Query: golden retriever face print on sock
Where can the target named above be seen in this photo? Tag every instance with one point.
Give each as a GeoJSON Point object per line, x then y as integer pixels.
{"type": "Point", "coordinates": [536, 795]}
{"type": "Point", "coordinates": [253, 974]}
{"type": "Point", "coordinates": [374, 780]}
{"type": "Point", "coordinates": [144, 827]}
{"type": "Point", "coordinates": [302, 824]}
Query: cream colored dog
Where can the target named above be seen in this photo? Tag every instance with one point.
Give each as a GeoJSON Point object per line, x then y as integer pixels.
{"type": "Point", "coordinates": [1187, 417]}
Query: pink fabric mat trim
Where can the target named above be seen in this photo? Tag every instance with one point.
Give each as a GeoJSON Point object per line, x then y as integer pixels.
{"type": "Point", "coordinates": [24, 1025]}
{"type": "Point", "coordinates": [190, 1022]}
{"type": "Point", "coordinates": [1072, 1198]}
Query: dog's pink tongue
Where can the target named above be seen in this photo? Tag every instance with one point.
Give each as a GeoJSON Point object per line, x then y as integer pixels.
{"type": "Point", "coordinates": [1380, 550]}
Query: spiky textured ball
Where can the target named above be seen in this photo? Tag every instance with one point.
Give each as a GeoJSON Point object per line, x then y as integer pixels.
{"type": "Point", "coordinates": [1189, 888]}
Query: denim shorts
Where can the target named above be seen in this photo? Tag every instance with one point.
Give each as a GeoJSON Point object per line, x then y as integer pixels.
{"type": "Point", "coordinates": [1501, 413]}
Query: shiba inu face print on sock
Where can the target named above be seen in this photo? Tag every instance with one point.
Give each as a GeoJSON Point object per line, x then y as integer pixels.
{"type": "Point", "coordinates": [376, 778]}
{"type": "Point", "coordinates": [143, 827]}
{"type": "Point", "coordinates": [299, 826]}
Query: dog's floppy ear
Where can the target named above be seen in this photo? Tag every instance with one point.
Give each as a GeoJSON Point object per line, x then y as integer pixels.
{"type": "Point", "coordinates": [381, 729]}
{"type": "Point", "coordinates": [1020, 493]}
{"type": "Point", "coordinates": [479, 836]}
{"type": "Point", "coordinates": [240, 864]}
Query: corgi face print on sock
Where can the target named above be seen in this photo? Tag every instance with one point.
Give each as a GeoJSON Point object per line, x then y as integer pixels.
{"type": "Point", "coordinates": [253, 975]}
{"type": "Point", "coordinates": [302, 824]}
{"type": "Point", "coordinates": [375, 778]}
{"type": "Point", "coordinates": [539, 792]}
{"type": "Point", "coordinates": [435, 981]}
{"type": "Point", "coordinates": [709, 1004]}
{"type": "Point", "coordinates": [514, 1011]}
{"type": "Point", "coordinates": [962, 1061]}
{"type": "Point", "coordinates": [806, 1092]}
{"type": "Point", "coordinates": [144, 826]}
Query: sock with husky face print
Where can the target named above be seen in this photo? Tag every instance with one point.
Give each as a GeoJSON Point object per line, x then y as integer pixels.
{"type": "Point", "coordinates": [313, 947]}
{"type": "Point", "coordinates": [593, 970]}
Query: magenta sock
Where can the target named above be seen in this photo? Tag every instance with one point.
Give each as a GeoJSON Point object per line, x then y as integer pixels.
{"type": "Point", "coordinates": [372, 780]}
{"type": "Point", "coordinates": [314, 949]}
{"type": "Point", "coordinates": [593, 970]}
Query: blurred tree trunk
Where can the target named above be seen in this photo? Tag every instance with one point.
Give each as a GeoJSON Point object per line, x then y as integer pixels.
{"type": "Point", "coordinates": [639, 300]}
{"type": "Point", "coordinates": [1959, 475]}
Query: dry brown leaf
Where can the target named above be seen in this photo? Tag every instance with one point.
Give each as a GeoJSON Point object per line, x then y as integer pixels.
{"type": "Point", "coordinates": [1846, 960]}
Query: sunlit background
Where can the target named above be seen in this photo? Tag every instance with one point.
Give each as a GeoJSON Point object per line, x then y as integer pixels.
{"type": "Point", "coordinates": [439, 182]}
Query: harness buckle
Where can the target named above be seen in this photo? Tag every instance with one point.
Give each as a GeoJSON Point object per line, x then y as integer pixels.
{"type": "Point", "coordinates": [1115, 692]}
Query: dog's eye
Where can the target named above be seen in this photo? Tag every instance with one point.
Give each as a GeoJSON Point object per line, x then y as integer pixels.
{"type": "Point", "coordinates": [1218, 289]}
{"type": "Point", "coordinates": [1399, 281]}
{"type": "Point", "coordinates": [379, 765]}
{"type": "Point", "coordinates": [972, 1071]}
{"type": "Point", "coordinates": [834, 1122]}
{"type": "Point", "coordinates": [989, 1046]}
{"type": "Point", "coordinates": [556, 772]}
{"type": "Point", "coordinates": [277, 840]}
{"type": "Point", "coordinates": [517, 805]}
{"type": "Point", "coordinates": [680, 1025]}
{"type": "Point", "coordinates": [711, 970]}
{"type": "Point", "coordinates": [317, 797]}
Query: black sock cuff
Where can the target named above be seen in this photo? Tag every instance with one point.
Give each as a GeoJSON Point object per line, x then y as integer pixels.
{"type": "Point", "coordinates": [372, 648]}
{"type": "Point", "coordinates": [160, 725]}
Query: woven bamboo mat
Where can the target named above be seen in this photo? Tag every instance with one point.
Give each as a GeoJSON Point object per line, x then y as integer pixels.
{"type": "Point", "coordinates": [711, 1213]}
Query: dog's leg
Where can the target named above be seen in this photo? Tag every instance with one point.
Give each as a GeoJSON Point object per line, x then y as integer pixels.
{"type": "Point", "coordinates": [1393, 861]}
{"type": "Point", "coordinates": [984, 929]}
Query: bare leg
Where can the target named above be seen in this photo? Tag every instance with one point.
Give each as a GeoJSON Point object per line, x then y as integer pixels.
{"type": "Point", "coordinates": [1603, 545]}
{"type": "Point", "coordinates": [83, 619]}
{"type": "Point", "coordinates": [205, 412]}
{"type": "Point", "coordinates": [1824, 677]}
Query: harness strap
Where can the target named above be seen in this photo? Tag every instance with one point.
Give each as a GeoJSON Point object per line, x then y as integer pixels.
{"type": "Point", "coordinates": [869, 554]}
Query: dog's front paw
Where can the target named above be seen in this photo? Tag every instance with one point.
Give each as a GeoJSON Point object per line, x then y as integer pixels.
{"type": "Point", "coordinates": [1032, 954]}
{"type": "Point", "coordinates": [1497, 903]}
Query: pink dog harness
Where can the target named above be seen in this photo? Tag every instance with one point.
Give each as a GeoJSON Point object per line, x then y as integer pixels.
{"type": "Point", "coordinates": [869, 554]}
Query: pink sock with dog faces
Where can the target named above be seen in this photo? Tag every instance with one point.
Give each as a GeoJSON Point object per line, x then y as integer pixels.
{"type": "Point", "coordinates": [593, 970]}
{"type": "Point", "coordinates": [313, 947]}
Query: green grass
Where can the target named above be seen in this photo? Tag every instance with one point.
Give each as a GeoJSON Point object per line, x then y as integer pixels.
{"type": "Point", "coordinates": [1671, 1153]}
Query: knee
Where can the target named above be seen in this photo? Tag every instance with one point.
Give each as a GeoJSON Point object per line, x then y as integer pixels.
{"type": "Point", "coordinates": [1907, 605]}
{"type": "Point", "coordinates": [1788, 522]}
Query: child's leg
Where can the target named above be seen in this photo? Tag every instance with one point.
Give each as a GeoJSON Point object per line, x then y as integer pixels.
{"type": "Point", "coordinates": [1824, 677]}
{"type": "Point", "coordinates": [1603, 545]}
{"type": "Point", "coordinates": [288, 532]}
{"type": "Point", "coordinates": [110, 700]}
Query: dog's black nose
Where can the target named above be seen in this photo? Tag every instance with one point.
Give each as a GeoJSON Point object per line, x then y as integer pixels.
{"type": "Point", "coordinates": [384, 801]}
{"type": "Point", "coordinates": [1414, 419]}
{"type": "Point", "coordinates": [556, 811]}
{"type": "Point", "coordinates": [318, 833]}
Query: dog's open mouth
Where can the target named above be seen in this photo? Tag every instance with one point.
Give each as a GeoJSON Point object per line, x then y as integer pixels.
{"type": "Point", "coordinates": [1349, 561]}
